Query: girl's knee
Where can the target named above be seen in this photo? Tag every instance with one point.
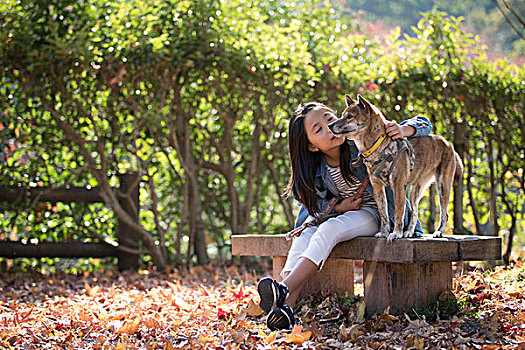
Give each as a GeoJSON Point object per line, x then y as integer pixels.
{"type": "Point", "coordinates": [322, 245]}
{"type": "Point", "coordinates": [323, 237]}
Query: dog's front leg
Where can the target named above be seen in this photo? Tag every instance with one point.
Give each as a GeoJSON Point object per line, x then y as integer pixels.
{"type": "Point", "coordinates": [382, 206]}
{"type": "Point", "coordinates": [399, 189]}
{"type": "Point", "coordinates": [398, 181]}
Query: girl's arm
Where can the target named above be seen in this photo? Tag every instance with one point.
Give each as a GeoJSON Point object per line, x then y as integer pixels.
{"type": "Point", "coordinates": [413, 127]}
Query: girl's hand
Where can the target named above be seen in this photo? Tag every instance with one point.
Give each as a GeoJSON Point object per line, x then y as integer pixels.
{"type": "Point", "coordinates": [348, 204]}
{"type": "Point", "coordinates": [396, 131]}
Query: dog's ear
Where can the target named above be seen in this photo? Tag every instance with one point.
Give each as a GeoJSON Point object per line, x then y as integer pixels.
{"type": "Point", "coordinates": [364, 105]}
{"type": "Point", "coordinates": [349, 100]}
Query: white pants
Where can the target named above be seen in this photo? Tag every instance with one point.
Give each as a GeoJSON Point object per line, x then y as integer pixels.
{"type": "Point", "coordinates": [316, 242]}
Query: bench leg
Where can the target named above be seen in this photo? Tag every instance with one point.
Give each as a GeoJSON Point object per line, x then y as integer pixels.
{"type": "Point", "coordinates": [337, 276]}
{"type": "Point", "coordinates": [403, 286]}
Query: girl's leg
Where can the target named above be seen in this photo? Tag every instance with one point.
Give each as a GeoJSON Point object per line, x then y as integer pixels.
{"type": "Point", "coordinates": [319, 243]}
{"type": "Point", "coordinates": [341, 228]}
{"type": "Point", "coordinates": [295, 280]}
{"type": "Point", "coordinates": [272, 293]}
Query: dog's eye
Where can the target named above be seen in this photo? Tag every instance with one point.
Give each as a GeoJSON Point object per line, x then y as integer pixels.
{"type": "Point", "coordinates": [319, 130]}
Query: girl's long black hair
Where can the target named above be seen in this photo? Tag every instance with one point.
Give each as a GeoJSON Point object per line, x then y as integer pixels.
{"type": "Point", "coordinates": [305, 162]}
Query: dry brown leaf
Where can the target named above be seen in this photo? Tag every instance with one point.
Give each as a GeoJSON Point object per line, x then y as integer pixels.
{"type": "Point", "coordinates": [150, 322]}
{"type": "Point", "coordinates": [375, 345]}
{"type": "Point", "coordinates": [419, 343]}
{"type": "Point", "coordinates": [176, 323]}
{"type": "Point", "coordinates": [316, 332]}
{"type": "Point", "coordinates": [169, 346]}
{"type": "Point", "coordinates": [130, 327]}
{"type": "Point", "coordinates": [416, 323]}
{"type": "Point", "coordinates": [270, 338]}
{"type": "Point", "coordinates": [181, 304]}
{"type": "Point", "coordinates": [207, 314]}
{"type": "Point", "coordinates": [296, 336]}
{"type": "Point", "coordinates": [348, 333]}
{"type": "Point", "coordinates": [83, 317]}
{"type": "Point", "coordinates": [253, 309]}
{"type": "Point", "coordinates": [387, 318]}
{"type": "Point", "coordinates": [238, 336]}
{"type": "Point", "coordinates": [120, 346]}
{"type": "Point", "coordinates": [91, 291]}
{"type": "Point", "coordinates": [204, 290]}
{"type": "Point", "coordinates": [514, 289]}
{"type": "Point", "coordinates": [232, 270]}
{"type": "Point", "coordinates": [472, 285]}
{"type": "Point", "coordinates": [176, 287]}
{"type": "Point", "coordinates": [460, 340]}
{"type": "Point", "coordinates": [205, 338]}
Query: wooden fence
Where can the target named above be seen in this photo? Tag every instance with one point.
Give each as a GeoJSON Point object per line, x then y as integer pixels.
{"type": "Point", "coordinates": [126, 236]}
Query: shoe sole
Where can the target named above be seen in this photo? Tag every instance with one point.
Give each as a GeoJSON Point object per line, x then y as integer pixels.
{"type": "Point", "coordinates": [267, 294]}
{"type": "Point", "coordinates": [279, 319]}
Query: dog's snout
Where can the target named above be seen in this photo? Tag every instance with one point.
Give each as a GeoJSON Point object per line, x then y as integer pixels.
{"type": "Point", "coordinates": [334, 127]}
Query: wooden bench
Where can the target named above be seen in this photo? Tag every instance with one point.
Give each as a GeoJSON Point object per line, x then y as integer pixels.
{"type": "Point", "coordinates": [404, 274]}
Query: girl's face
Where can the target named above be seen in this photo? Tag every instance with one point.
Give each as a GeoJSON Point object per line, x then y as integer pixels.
{"type": "Point", "coordinates": [317, 130]}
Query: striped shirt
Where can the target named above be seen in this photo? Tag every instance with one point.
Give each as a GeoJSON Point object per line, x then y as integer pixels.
{"type": "Point", "coordinates": [347, 190]}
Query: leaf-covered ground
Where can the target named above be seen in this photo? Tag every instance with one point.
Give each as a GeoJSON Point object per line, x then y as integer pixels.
{"type": "Point", "coordinates": [216, 308]}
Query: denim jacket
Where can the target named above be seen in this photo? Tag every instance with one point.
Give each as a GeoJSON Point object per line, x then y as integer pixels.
{"type": "Point", "coordinates": [326, 188]}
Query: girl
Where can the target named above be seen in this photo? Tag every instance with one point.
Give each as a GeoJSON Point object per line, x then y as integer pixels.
{"type": "Point", "coordinates": [322, 171]}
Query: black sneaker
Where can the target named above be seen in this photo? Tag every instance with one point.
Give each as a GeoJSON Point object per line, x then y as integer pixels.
{"type": "Point", "coordinates": [271, 293]}
{"type": "Point", "coordinates": [281, 317]}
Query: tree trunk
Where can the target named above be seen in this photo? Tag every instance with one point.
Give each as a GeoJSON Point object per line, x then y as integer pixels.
{"type": "Point", "coordinates": [512, 208]}
{"type": "Point", "coordinates": [472, 201]}
{"type": "Point", "coordinates": [181, 223]}
{"type": "Point", "coordinates": [180, 139]}
{"type": "Point", "coordinates": [200, 245]}
{"type": "Point", "coordinates": [494, 227]}
{"type": "Point", "coordinates": [197, 240]}
{"type": "Point", "coordinates": [253, 166]}
{"type": "Point", "coordinates": [128, 237]}
{"type": "Point", "coordinates": [460, 137]}
{"type": "Point", "coordinates": [287, 204]}
{"type": "Point", "coordinates": [512, 230]}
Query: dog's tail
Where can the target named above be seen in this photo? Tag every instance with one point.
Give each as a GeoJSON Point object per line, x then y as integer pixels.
{"type": "Point", "coordinates": [458, 175]}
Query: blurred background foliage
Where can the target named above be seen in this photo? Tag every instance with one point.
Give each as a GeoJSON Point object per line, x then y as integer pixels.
{"type": "Point", "coordinates": [493, 20]}
{"type": "Point", "coordinates": [194, 97]}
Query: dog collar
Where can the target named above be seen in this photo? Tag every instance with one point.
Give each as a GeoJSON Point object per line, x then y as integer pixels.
{"type": "Point", "coordinates": [375, 146]}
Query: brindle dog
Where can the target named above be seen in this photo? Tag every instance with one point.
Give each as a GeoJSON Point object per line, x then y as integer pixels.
{"type": "Point", "coordinates": [399, 163]}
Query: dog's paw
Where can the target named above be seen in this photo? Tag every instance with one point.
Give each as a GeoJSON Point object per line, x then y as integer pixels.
{"type": "Point", "coordinates": [408, 234]}
{"type": "Point", "coordinates": [437, 234]}
{"type": "Point", "coordinates": [380, 234]}
{"type": "Point", "coordinates": [394, 235]}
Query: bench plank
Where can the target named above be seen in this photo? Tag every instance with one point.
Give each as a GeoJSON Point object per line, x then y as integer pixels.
{"type": "Point", "coordinates": [407, 250]}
